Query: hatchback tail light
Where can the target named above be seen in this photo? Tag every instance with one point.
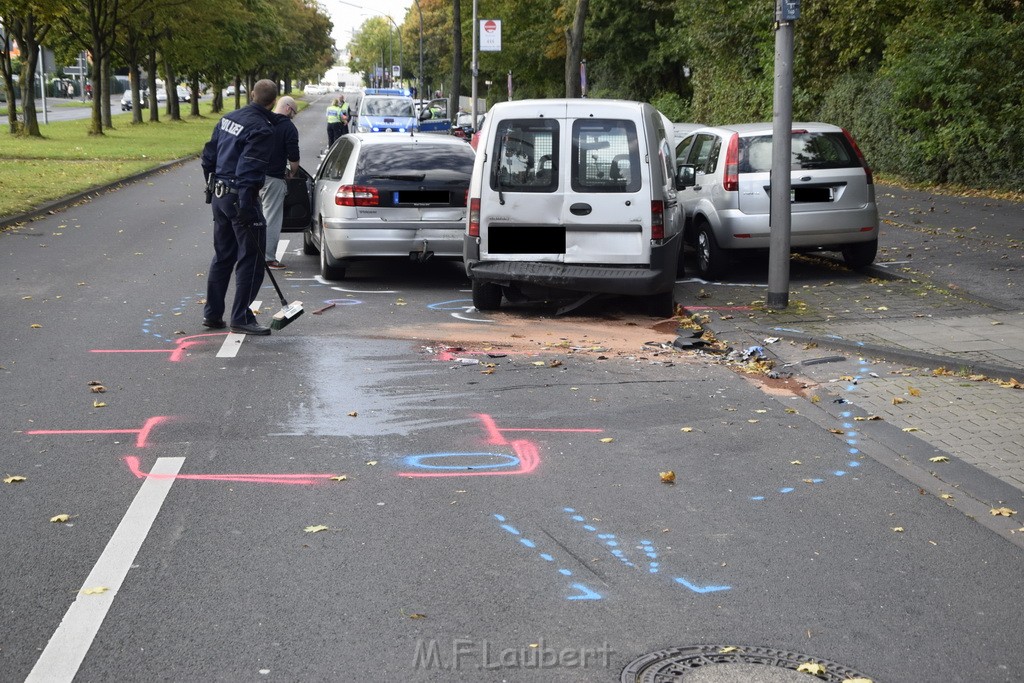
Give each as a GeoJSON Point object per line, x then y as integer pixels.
{"type": "Point", "coordinates": [474, 217]}
{"type": "Point", "coordinates": [356, 195]}
{"type": "Point", "coordinates": [731, 181]}
{"type": "Point", "coordinates": [863, 161]}
{"type": "Point", "coordinates": [657, 220]}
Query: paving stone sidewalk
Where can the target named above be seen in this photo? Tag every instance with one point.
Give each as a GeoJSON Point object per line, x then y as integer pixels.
{"type": "Point", "coordinates": [926, 359]}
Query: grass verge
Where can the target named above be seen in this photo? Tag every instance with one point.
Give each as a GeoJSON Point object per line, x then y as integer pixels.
{"type": "Point", "coordinates": [67, 160]}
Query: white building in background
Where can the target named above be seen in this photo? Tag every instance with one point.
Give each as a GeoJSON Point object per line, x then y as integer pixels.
{"type": "Point", "coordinates": [340, 78]}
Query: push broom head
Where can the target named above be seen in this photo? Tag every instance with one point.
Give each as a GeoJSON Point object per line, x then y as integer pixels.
{"type": "Point", "coordinates": [286, 316]}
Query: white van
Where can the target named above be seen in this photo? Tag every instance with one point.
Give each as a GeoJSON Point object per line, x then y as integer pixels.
{"type": "Point", "coordinates": [573, 196]}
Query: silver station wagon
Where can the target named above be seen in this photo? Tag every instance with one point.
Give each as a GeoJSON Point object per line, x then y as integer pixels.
{"type": "Point", "coordinates": [724, 181]}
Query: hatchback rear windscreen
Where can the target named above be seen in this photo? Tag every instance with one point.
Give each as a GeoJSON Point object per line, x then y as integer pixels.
{"type": "Point", "coordinates": [415, 162]}
{"type": "Point", "coordinates": [810, 151]}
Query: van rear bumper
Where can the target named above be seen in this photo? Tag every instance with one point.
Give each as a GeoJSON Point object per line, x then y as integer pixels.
{"type": "Point", "coordinates": [601, 279]}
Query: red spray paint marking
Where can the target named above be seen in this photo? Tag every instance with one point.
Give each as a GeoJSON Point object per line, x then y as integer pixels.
{"type": "Point", "coordinates": [496, 438]}
{"type": "Point", "coordinates": [450, 355]}
{"type": "Point", "coordinates": [182, 344]}
{"type": "Point", "coordinates": [140, 440]}
{"type": "Point", "coordinates": [293, 479]}
{"type": "Point", "coordinates": [689, 309]}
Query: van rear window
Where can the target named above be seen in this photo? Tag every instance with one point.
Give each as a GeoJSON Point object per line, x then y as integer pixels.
{"type": "Point", "coordinates": [526, 151]}
{"type": "Point", "coordinates": [810, 150]}
{"type": "Point", "coordinates": [605, 156]}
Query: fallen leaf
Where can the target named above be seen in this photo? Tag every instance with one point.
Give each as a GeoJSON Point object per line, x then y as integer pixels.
{"type": "Point", "coordinates": [837, 431]}
{"type": "Point", "coordinates": [607, 439]}
{"type": "Point", "coordinates": [668, 477]}
{"type": "Point", "coordinates": [36, 326]}
{"type": "Point", "coordinates": [812, 668]}
{"type": "Point", "coordinates": [315, 529]}
{"type": "Point", "coordinates": [911, 429]}
{"type": "Point", "coordinates": [896, 400]}
{"type": "Point", "coordinates": [1002, 512]}
{"type": "Point", "coordinates": [353, 414]}
{"type": "Point", "coordinates": [98, 389]}
{"type": "Point", "coordinates": [753, 421]}
{"type": "Point", "coordinates": [791, 411]}
{"type": "Point", "coordinates": [898, 529]}
{"type": "Point", "coordinates": [726, 650]}
{"type": "Point", "coordinates": [762, 411]}
{"type": "Point", "coordinates": [815, 399]}
{"type": "Point", "coordinates": [913, 392]}
{"type": "Point", "coordinates": [94, 383]}
{"type": "Point", "coordinates": [808, 481]}
{"type": "Point", "coordinates": [13, 479]}
{"type": "Point", "coordinates": [340, 477]}
{"type": "Point", "coordinates": [99, 404]}
{"type": "Point", "coordinates": [686, 429]}
{"type": "Point", "coordinates": [417, 615]}
{"type": "Point", "coordinates": [795, 462]}
{"type": "Point", "coordinates": [371, 463]}
{"type": "Point", "coordinates": [95, 590]}
{"type": "Point", "coordinates": [939, 458]}
{"type": "Point", "coordinates": [946, 496]}
{"type": "Point", "coordinates": [538, 362]}
{"type": "Point", "coordinates": [554, 363]}
{"type": "Point", "coordinates": [57, 519]}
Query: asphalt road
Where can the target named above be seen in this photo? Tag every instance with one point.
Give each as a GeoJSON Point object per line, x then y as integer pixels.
{"type": "Point", "coordinates": [505, 525]}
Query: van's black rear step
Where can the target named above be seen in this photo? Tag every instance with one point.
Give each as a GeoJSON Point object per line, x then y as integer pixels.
{"type": "Point", "coordinates": [630, 280]}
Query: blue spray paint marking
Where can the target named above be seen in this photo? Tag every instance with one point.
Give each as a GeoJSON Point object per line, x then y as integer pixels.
{"type": "Point", "coordinates": [343, 302]}
{"type": "Point", "coordinates": [453, 305]}
{"type": "Point", "coordinates": [585, 593]}
{"type": "Point", "coordinates": [186, 307]}
{"type": "Point", "coordinates": [480, 464]}
{"type": "Point", "coordinates": [649, 549]}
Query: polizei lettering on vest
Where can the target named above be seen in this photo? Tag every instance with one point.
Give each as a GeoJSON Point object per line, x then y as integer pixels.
{"type": "Point", "coordinates": [231, 127]}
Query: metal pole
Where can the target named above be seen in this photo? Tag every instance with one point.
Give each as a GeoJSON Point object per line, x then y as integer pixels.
{"type": "Point", "coordinates": [421, 47]}
{"type": "Point", "coordinates": [782, 147]}
{"type": "Point", "coordinates": [42, 86]}
{"type": "Point", "coordinates": [476, 65]}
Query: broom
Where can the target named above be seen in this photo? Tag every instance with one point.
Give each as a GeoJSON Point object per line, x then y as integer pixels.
{"type": "Point", "coordinates": [290, 312]}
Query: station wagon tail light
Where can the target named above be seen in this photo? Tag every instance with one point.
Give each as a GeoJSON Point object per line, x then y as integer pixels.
{"type": "Point", "coordinates": [356, 195]}
{"type": "Point", "coordinates": [863, 161]}
{"type": "Point", "coordinates": [474, 217]}
{"type": "Point", "coordinates": [657, 220]}
{"type": "Point", "coordinates": [731, 181]}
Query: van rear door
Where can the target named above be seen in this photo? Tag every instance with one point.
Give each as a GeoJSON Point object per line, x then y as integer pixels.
{"type": "Point", "coordinates": [606, 204]}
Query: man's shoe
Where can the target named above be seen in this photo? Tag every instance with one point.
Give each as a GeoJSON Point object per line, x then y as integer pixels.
{"type": "Point", "coordinates": [214, 324]}
{"type": "Point", "coordinates": [275, 265]}
{"type": "Point", "coordinates": [251, 328]}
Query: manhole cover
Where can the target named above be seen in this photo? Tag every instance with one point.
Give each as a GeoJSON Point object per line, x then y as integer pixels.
{"type": "Point", "coordinates": [732, 664]}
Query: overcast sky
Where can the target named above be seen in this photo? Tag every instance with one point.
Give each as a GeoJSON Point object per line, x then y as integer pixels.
{"type": "Point", "coordinates": [348, 15]}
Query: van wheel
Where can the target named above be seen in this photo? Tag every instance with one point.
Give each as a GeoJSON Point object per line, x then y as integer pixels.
{"type": "Point", "coordinates": [329, 268]}
{"type": "Point", "coordinates": [662, 305]}
{"type": "Point", "coordinates": [710, 257]}
{"type": "Point", "coordinates": [486, 296]}
{"type": "Point", "coordinates": [860, 255]}
{"type": "Point", "coordinates": [308, 248]}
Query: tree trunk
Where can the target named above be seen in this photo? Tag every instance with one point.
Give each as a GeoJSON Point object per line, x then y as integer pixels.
{"type": "Point", "coordinates": [453, 102]}
{"type": "Point", "coordinates": [171, 86]}
{"type": "Point", "coordinates": [30, 56]}
{"type": "Point", "coordinates": [104, 94]}
{"type": "Point", "coordinates": [194, 99]}
{"type": "Point", "coordinates": [133, 79]}
{"type": "Point", "coordinates": [574, 50]}
{"type": "Point", "coordinates": [6, 69]}
{"type": "Point", "coordinates": [154, 107]}
{"type": "Point", "coordinates": [95, 76]}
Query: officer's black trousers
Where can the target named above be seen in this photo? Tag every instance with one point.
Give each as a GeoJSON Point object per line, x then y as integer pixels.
{"type": "Point", "coordinates": [237, 246]}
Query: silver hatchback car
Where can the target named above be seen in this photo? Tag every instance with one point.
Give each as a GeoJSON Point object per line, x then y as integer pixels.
{"type": "Point", "coordinates": [724, 178]}
{"type": "Point", "coordinates": [386, 195]}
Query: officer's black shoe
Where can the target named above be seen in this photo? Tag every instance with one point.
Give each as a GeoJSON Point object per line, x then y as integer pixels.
{"type": "Point", "coordinates": [214, 324]}
{"type": "Point", "coordinates": [250, 328]}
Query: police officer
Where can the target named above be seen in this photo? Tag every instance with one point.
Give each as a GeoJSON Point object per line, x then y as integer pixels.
{"type": "Point", "coordinates": [235, 162]}
{"type": "Point", "coordinates": [345, 116]}
{"type": "Point", "coordinates": [334, 121]}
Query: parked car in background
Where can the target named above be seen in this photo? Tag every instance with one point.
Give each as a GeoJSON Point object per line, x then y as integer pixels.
{"type": "Point", "coordinates": [387, 195]}
{"type": "Point", "coordinates": [230, 90]}
{"type": "Point", "coordinates": [724, 182]}
{"type": "Point", "coordinates": [184, 95]}
{"type": "Point", "coordinates": [126, 100]}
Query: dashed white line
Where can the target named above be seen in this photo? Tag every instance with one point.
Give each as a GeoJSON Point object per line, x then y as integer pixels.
{"type": "Point", "coordinates": [233, 342]}
{"type": "Point", "coordinates": [71, 641]}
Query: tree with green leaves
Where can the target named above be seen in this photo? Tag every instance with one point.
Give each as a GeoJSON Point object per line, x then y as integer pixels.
{"type": "Point", "coordinates": [29, 22]}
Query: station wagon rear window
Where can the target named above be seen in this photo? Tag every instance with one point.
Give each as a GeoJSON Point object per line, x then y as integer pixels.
{"type": "Point", "coordinates": [415, 162]}
{"type": "Point", "coordinates": [526, 151]}
{"type": "Point", "coordinates": [810, 151]}
{"type": "Point", "coordinates": [605, 156]}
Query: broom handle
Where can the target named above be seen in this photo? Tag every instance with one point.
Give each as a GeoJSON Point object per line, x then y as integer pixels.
{"type": "Point", "coordinates": [256, 243]}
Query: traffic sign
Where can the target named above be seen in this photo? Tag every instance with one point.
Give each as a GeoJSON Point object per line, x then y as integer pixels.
{"type": "Point", "coordinates": [490, 35]}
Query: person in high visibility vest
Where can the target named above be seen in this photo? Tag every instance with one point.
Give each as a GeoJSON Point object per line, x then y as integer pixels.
{"type": "Point", "coordinates": [345, 116]}
{"type": "Point", "coordinates": [334, 113]}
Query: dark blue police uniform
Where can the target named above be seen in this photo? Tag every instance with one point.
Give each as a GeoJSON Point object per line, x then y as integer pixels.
{"type": "Point", "coordinates": [237, 155]}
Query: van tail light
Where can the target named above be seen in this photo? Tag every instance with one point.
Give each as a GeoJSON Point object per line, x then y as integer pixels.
{"type": "Point", "coordinates": [356, 195]}
{"type": "Point", "coordinates": [657, 220]}
{"type": "Point", "coordinates": [474, 217]}
{"type": "Point", "coordinates": [731, 181]}
{"type": "Point", "coordinates": [863, 161]}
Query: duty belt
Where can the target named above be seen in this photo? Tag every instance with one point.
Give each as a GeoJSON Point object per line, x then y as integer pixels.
{"type": "Point", "coordinates": [220, 188]}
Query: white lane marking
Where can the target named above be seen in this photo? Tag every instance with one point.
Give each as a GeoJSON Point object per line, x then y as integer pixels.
{"type": "Point", "coordinates": [282, 247]}
{"type": "Point", "coordinates": [71, 641]}
{"type": "Point", "coordinates": [255, 306]}
{"type": "Point", "coordinates": [233, 342]}
{"type": "Point", "coordinates": [364, 291]}
{"type": "Point", "coordinates": [460, 316]}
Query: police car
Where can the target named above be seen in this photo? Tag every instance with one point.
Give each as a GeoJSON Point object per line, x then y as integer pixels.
{"type": "Point", "coordinates": [385, 110]}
